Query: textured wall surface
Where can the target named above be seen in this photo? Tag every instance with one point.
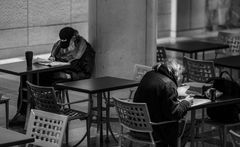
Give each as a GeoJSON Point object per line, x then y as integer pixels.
{"type": "Point", "coordinates": [120, 36]}
{"type": "Point", "coordinates": [34, 24]}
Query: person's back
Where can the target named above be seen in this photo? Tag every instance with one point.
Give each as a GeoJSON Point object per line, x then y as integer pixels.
{"type": "Point", "coordinates": [158, 88]}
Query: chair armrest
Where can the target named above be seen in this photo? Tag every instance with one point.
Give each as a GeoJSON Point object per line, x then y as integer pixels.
{"type": "Point", "coordinates": [132, 90]}
{"type": "Point", "coordinates": [163, 122]}
{"type": "Point", "coordinates": [80, 101]}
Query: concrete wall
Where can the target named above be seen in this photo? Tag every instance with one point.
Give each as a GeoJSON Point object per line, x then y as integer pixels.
{"type": "Point", "coordinates": [34, 24]}
{"type": "Point", "coordinates": [119, 32]}
{"type": "Point", "coordinates": [191, 17]}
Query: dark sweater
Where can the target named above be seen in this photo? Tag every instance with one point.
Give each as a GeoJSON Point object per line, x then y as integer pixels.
{"type": "Point", "coordinates": [159, 90]}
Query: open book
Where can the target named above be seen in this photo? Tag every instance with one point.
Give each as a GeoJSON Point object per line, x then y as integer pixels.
{"type": "Point", "coordinates": [48, 62]}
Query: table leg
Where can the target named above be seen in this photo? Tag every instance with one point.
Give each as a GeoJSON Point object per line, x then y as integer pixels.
{"type": "Point", "coordinates": [7, 113]}
{"type": "Point", "coordinates": [196, 55]}
{"type": "Point", "coordinates": [90, 106]}
{"type": "Point", "coordinates": [192, 130]}
{"type": "Point", "coordinates": [203, 55]}
{"type": "Point", "coordinates": [191, 55]}
{"type": "Point", "coordinates": [29, 78]}
{"type": "Point", "coordinates": [20, 101]}
{"type": "Point", "coordinates": [107, 116]}
{"type": "Point", "coordinates": [99, 121]}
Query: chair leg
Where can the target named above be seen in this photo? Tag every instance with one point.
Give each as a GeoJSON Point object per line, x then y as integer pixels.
{"type": "Point", "coordinates": [87, 134]}
{"type": "Point", "coordinates": [224, 137]}
{"type": "Point", "coordinates": [221, 136]}
{"type": "Point", "coordinates": [67, 132]}
{"type": "Point", "coordinates": [67, 98]}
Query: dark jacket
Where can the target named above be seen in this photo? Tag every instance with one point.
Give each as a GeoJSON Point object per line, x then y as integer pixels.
{"type": "Point", "coordinates": [159, 90]}
{"type": "Point", "coordinates": [82, 68]}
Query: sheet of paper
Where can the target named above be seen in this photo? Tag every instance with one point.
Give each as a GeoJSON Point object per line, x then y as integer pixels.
{"type": "Point", "coordinates": [182, 90]}
{"type": "Point", "coordinates": [47, 62]}
{"type": "Point", "coordinates": [197, 102]}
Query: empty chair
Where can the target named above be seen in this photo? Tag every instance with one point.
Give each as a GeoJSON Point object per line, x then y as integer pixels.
{"type": "Point", "coordinates": [198, 70]}
{"type": "Point", "coordinates": [44, 98]}
{"type": "Point", "coordinates": [235, 138]}
{"type": "Point", "coordinates": [231, 39]}
{"type": "Point", "coordinates": [46, 128]}
{"type": "Point", "coordinates": [139, 71]}
{"type": "Point", "coordinates": [135, 117]}
{"type": "Point", "coordinates": [161, 54]}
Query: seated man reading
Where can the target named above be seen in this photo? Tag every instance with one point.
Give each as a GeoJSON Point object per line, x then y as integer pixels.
{"type": "Point", "coordinates": [74, 49]}
{"type": "Point", "coordinates": [158, 89]}
{"type": "Point", "coordinates": [71, 48]}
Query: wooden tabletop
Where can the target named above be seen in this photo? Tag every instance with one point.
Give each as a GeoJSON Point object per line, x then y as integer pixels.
{"type": "Point", "coordinates": [229, 62]}
{"type": "Point", "coordinates": [96, 85]}
{"type": "Point", "coordinates": [11, 138]}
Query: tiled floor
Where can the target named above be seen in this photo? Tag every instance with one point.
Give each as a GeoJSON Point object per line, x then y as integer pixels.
{"type": "Point", "coordinates": [9, 86]}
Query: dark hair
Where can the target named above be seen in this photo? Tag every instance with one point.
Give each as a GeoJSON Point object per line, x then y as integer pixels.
{"type": "Point", "coordinates": [172, 65]}
{"type": "Point", "coordinates": [65, 35]}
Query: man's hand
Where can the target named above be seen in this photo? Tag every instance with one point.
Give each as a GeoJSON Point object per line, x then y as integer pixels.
{"type": "Point", "coordinates": [51, 58]}
{"type": "Point", "coordinates": [189, 99]}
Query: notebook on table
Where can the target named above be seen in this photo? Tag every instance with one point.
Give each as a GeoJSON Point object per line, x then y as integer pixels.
{"type": "Point", "coordinates": [47, 62]}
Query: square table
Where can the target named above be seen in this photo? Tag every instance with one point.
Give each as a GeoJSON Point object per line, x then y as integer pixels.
{"type": "Point", "coordinates": [192, 47]}
{"type": "Point", "coordinates": [20, 69]}
{"type": "Point", "coordinates": [223, 100]}
{"type": "Point", "coordinates": [11, 138]}
{"type": "Point", "coordinates": [98, 86]}
{"type": "Point", "coordinates": [229, 62]}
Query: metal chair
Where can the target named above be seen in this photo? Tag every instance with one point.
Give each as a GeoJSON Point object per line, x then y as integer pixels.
{"type": "Point", "coordinates": [139, 71]}
{"type": "Point", "coordinates": [198, 73]}
{"type": "Point", "coordinates": [231, 39]}
{"type": "Point", "coordinates": [44, 98]}
{"type": "Point", "coordinates": [198, 70]}
{"type": "Point", "coordinates": [161, 54]}
{"type": "Point", "coordinates": [135, 117]}
{"type": "Point", "coordinates": [235, 138]}
{"type": "Point", "coordinates": [46, 128]}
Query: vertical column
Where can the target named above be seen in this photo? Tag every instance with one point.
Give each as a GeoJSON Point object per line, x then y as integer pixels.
{"type": "Point", "coordinates": [123, 33]}
{"type": "Point", "coordinates": [151, 31]}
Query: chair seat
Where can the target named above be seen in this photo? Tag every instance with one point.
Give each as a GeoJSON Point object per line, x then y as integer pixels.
{"type": "Point", "coordinates": [74, 114]}
{"type": "Point", "coordinates": [140, 137]}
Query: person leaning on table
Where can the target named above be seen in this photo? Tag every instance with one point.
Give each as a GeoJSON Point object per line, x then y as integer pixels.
{"type": "Point", "coordinates": [74, 49]}
{"type": "Point", "coordinates": [158, 89]}
{"type": "Point", "coordinates": [71, 48]}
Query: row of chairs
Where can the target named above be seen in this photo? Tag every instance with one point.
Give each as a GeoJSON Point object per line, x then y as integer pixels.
{"type": "Point", "coordinates": [48, 128]}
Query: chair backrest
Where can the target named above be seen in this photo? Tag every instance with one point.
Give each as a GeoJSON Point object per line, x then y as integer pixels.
{"type": "Point", "coordinates": [231, 39]}
{"type": "Point", "coordinates": [133, 116]}
{"type": "Point", "coordinates": [44, 98]}
{"type": "Point", "coordinates": [46, 128]}
{"type": "Point", "coordinates": [161, 54]}
{"type": "Point", "coordinates": [235, 138]}
{"type": "Point", "coordinates": [198, 70]}
{"type": "Point", "coordinates": [139, 71]}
